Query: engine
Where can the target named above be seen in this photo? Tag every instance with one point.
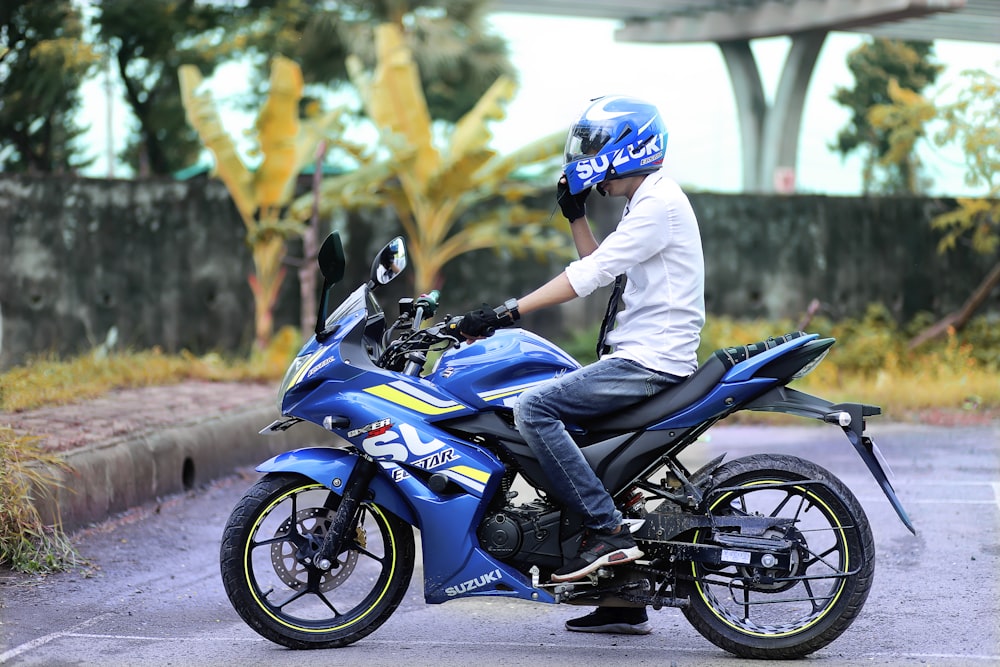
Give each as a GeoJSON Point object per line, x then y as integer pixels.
{"type": "Point", "coordinates": [523, 534]}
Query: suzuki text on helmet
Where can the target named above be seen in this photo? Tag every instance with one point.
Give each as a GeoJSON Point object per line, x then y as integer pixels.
{"type": "Point", "coordinates": [615, 137]}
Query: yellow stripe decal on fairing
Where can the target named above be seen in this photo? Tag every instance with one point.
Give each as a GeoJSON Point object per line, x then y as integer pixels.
{"type": "Point", "coordinates": [478, 475]}
{"type": "Point", "coordinates": [412, 402]}
{"type": "Point", "coordinates": [462, 479]}
{"type": "Point", "coordinates": [509, 391]}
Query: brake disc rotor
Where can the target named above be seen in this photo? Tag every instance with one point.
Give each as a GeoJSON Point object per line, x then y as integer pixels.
{"type": "Point", "coordinates": [312, 524]}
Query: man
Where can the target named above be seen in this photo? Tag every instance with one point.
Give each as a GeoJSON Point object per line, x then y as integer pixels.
{"type": "Point", "coordinates": [617, 146]}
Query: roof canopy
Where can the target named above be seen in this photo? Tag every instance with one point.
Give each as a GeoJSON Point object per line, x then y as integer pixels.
{"type": "Point", "coordinates": [724, 20]}
{"type": "Point", "coordinates": [769, 131]}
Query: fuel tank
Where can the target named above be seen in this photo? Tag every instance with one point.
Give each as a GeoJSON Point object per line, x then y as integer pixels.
{"type": "Point", "coordinates": [494, 371]}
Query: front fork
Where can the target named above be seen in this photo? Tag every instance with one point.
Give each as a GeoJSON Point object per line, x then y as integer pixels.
{"type": "Point", "coordinates": [347, 513]}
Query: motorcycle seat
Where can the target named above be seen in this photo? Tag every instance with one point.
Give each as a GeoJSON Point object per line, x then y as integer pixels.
{"type": "Point", "coordinates": [667, 402]}
{"type": "Point", "coordinates": [676, 398]}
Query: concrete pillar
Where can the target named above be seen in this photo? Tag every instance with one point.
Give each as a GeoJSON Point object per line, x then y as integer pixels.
{"type": "Point", "coordinates": [770, 133]}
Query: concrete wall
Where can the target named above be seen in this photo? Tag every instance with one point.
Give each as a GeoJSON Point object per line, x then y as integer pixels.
{"type": "Point", "coordinates": [771, 255]}
{"type": "Point", "coordinates": [164, 263]}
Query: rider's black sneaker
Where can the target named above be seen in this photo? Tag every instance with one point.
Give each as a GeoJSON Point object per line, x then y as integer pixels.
{"type": "Point", "coordinates": [613, 620]}
{"type": "Point", "coordinates": [597, 550]}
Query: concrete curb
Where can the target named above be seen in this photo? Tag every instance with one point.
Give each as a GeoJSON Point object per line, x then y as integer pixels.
{"type": "Point", "coordinates": [111, 477]}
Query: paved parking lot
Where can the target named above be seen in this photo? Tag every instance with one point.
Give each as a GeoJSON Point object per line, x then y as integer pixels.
{"type": "Point", "coordinates": [150, 593]}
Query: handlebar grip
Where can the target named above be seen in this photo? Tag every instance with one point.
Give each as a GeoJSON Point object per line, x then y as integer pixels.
{"type": "Point", "coordinates": [429, 301]}
{"type": "Point", "coordinates": [427, 304]}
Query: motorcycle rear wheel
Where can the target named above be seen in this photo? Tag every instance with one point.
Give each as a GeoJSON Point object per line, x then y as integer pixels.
{"type": "Point", "coordinates": [769, 614]}
{"type": "Point", "coordinates": [267, 555]}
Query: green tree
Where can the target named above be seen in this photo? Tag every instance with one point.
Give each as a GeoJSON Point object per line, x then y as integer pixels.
{"type": "Point", "coordinates": [148, 41]}
{"type": "Point", "coordinates": [874, 64]}
{"type": "Point", "coordinates": [972, 121]}
{"type": "Point", "coordinates": [43, 61]}
{"type": "Point", "coordinates": [458, 57]}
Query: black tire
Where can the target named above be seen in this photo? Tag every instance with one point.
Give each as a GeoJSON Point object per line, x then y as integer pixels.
{"type": "Point", "coordinates": [283, 596]}
{"type": "Point", "coordinates": [783, 615]}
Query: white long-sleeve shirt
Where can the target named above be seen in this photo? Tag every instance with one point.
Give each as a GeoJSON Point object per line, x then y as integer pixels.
{"type": "Point", "coordinates": [657, 245]}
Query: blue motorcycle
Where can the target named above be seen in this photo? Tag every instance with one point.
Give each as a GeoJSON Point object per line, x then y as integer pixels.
{"type": "Point", "coordinates": [767, 556]}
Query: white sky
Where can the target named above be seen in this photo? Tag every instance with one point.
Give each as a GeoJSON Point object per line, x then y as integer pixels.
{"type": "Point", "coordinates": [563, 63]}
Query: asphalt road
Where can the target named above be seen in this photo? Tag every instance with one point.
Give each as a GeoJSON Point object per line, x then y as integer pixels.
{"type": "Point", "coordinates": [150, 593]}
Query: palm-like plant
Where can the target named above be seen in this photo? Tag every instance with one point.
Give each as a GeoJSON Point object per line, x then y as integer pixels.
{"type": "Point", "coordinates": [286, 144]}
{"type": "Point", "coordinates": [435, 191]}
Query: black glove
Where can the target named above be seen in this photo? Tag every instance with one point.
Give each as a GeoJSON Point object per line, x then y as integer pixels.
{"type": "Point", "coordinates": [483, 322]}
{"type": "Point", "coordinates": [573, 207]}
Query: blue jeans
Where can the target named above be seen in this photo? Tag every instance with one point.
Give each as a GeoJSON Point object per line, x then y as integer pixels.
{"type": "Point", "coordinates": [601, 388]}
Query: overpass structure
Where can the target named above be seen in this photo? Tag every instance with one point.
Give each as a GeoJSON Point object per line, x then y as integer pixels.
{"type": "Point", "coordinates": [769, 133]}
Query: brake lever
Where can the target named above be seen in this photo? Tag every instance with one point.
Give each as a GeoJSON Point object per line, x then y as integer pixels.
{"type": "Point", "coordinates": [440, 330]}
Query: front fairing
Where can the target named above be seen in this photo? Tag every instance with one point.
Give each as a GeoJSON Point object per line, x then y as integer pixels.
{"type": "Point", "coordinates": [335, 378]}
{"type": "Point", "coordinates": [495, 371]}
{"type": "Point", "coordinates": [335, 383]}
{"type": "Point", "coordinates": [391, 416]}
{"type": "Point", "coordinates": [322, 360]}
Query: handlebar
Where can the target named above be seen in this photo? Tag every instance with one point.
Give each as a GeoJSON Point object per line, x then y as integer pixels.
{"type": "Point", "coordinates": [408, 352]}
{"type": "Point", "coordinates": [425, 306]}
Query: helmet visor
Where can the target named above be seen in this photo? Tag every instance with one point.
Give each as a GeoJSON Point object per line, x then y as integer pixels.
{"type": "Point", "coordinates": [586, 140]}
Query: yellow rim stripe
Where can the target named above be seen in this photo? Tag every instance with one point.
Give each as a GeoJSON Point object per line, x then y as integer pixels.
{"type": "Point", "coordinates": [253, 590]}
{"type": "Point", "coordinates": [839, 528]}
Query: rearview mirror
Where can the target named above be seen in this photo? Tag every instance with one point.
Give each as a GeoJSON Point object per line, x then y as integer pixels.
{"type": "Point", "coordinates": [332, 265]}
{"type": "Point", "coordinates": [331, 259]}
{"type": "Point", "coordinates": [389, 262]}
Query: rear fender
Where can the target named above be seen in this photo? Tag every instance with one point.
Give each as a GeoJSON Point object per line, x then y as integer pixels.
{"type": "Point", "coordinates": [332, 468]}
{"type": "Point", "coordinates": [850, 417]}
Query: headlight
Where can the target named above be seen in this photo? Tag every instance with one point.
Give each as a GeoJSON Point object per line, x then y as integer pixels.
{"type": "Point", "coordinates": [293, 375]}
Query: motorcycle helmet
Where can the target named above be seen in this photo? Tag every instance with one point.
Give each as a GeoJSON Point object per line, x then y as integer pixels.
{"type": "Point", "coordinates": [616, 136]}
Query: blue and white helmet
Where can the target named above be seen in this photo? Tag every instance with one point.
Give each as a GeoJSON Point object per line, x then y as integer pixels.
{"type": "Point", "coordinates": [616, 136]}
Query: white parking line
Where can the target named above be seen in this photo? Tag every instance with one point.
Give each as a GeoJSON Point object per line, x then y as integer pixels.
{"type": "Point", "coordinates": [147, 638]}
{"type": "Point", "coordinates": [937, 500]}
{"type": "Point", "coordinates": [946, 501]}
{"type": "Point", "coordinates": [992, 659]}
{"type": "Point", "coordinates": [40, 641]}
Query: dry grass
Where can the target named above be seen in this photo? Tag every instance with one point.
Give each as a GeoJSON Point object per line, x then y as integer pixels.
{"type": "Point", "coordinates": [26, 544]}
{"type": "Point", "coordinates": [947, 378]}
{"type": "Point", "coordinates": [875, 367]}
{"type": "Point", "coordinates": [50, 381]}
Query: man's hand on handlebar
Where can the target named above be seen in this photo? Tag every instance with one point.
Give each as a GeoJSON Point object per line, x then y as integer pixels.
{"type": "Point", "coordinates": [483, 322]}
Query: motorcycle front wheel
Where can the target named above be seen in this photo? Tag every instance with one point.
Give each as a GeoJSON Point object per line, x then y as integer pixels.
{"type": "Point", "coordinates": [790, 611]}
{"type": "Point", "coordinates": [267, 561]}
